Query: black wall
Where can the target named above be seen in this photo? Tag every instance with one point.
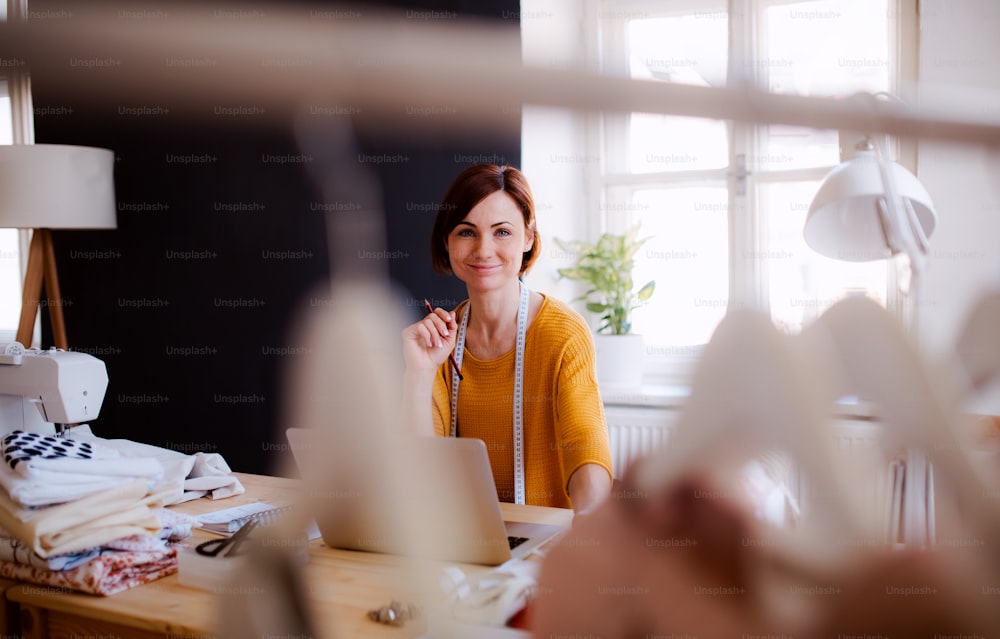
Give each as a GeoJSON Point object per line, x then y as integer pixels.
{"type": "Point", "coordinates": [222, 237]}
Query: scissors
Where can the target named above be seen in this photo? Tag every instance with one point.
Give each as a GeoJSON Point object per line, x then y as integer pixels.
{"type": "Point", "coordinates": [228, 546]}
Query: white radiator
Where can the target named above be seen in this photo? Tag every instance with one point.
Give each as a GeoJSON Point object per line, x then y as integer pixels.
{"type": "Point", "coordinates": [635, 432]}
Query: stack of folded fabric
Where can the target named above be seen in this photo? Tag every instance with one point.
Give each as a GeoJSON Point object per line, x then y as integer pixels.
{"type": "Point", "coordinates": [88, 513]}
{"type": "Point", "coordinates": [112, 567]}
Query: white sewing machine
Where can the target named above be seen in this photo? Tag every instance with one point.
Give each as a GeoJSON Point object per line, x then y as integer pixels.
{"type": "Point", "coordinates": [44, 391]}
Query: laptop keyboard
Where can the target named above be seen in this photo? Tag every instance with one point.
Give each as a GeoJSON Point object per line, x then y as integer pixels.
{"type": "Point", "coordinates": [514, 542]}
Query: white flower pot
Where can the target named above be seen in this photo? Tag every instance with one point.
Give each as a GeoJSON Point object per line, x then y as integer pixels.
{"type": "Point", "coordinates": [619, 360]}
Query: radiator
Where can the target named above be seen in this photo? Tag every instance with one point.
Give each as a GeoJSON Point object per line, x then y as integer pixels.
{"type": "Point", "coordinates": [637, 431]}
{"type": "Point", "coordinates": [634, 433]}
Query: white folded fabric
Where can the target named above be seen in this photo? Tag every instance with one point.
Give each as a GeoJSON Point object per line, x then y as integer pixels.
{"type": "Point", "coordinates": [491, 597]}
{"type": "Point", "coordinates": [212, 476]}
{"type": "Point", "coordinates": [41, 481]}
{"type": "Point", "coordinates": [197, 475]}
{"type": "Point", "coordinates": [46, 490]}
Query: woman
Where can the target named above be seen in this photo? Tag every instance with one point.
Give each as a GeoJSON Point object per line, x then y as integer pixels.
{"type": "Point", "coordinates": [485, 235]}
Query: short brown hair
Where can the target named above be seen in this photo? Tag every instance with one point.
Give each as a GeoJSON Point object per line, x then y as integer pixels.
{"type": "Point", "coordinates": [470, 188]}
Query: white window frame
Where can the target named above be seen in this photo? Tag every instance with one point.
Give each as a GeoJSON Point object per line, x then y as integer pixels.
{"type": "Point", "coordinates": [604, 52]}
{"type": "Point", "coordinates": [23, 132]}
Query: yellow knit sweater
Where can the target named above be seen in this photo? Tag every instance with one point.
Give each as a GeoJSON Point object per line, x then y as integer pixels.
{"type": "Point", "coordinates": [564, 425]}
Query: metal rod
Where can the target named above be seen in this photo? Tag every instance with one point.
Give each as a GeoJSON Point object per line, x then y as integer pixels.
{"type": "Point", "coordinates": [377, 64]}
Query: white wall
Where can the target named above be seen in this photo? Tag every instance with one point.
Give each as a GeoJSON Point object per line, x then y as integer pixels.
{"type": "Point", "coordinates": [959, 54]}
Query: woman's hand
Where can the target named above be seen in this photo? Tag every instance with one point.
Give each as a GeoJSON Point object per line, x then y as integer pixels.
{"type": "Point", "coordinates": [427, 343]}
{"type": "Point", "coordinates": [589, 485]}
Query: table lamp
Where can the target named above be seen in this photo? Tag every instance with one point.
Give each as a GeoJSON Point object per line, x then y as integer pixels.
{"type": "Point", "coordinates": [869, 208]}
{"type": "Point", "coordinates": [45, 187]}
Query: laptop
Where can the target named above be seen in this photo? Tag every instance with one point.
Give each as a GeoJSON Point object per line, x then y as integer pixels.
{"type": "Point", "coordinates": [431, 497]}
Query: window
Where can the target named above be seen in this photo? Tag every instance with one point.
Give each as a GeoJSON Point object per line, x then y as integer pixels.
{"type": "Point", "coordinates": [725, 203]}
{"type": "Point", "coordinates": [13, 102]}
{"type": "Point", "coordinates": [10, 262]}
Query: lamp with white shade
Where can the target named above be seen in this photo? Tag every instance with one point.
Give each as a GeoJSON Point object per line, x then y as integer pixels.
{"type": "Point", "coordinates": [45, 187]}
{"type": "Point", "coordinates": [869, 208]}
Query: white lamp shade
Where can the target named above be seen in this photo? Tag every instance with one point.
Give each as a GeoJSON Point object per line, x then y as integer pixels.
{"type": "Point", "coordinates": [56, 186]}
{"type": "Point", "coordinates": [843, 220]}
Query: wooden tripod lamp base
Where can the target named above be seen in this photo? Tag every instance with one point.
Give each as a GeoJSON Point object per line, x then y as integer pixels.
{"type": "Point", "coordinates": [41, 269]}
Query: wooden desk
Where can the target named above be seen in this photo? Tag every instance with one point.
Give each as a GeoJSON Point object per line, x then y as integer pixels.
{"type": "Point", "coordinates": [341, 587]}
{"type": "Point", "coordinates": [10, 622]}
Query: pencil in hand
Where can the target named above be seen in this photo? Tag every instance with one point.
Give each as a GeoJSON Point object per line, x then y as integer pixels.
{"type": "Point", "coordinates": [454, 362]}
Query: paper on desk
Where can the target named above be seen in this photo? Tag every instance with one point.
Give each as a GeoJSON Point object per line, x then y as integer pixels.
{"type": "Point", "coordinates": [218, 521]}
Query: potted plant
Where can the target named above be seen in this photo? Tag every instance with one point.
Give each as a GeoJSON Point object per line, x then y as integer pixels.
{"type": "Point", "coordinates": [606, 269]}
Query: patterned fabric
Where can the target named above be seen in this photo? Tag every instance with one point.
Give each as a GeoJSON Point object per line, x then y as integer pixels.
{"type": "Point", "coordinates": [176, 527]}
{"type": "Point", "coordinates": [41, 470]}
{"type": "Point", "coordinates": [116, 566]}
{"type": "Point", "coordinates": [107, 574]}
{"type": "Point", "coordinates": [564, 424]}
{"type": "Point", "coordinates": [19, 446]}
{"type": "Point", "coordinates": [16, 551]}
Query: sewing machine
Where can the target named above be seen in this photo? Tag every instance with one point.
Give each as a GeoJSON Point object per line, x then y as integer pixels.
{"type": "Point", "coordinates": [45, 391]}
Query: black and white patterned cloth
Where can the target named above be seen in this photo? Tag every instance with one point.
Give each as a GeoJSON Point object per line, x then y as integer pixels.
{"type": "Point", "coordinates": [19, 446]}
{"type": "Point", "coordinates": [44, 469]}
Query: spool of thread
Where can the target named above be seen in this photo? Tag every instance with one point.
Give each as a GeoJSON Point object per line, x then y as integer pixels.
{"type": "Point", "coordinates": [11, 348]}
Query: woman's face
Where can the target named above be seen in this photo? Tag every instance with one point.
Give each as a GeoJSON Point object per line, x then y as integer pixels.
{"type": "Point", "coordinates": [487, 247]}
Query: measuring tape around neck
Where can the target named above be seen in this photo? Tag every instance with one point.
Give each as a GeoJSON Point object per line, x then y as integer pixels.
{"type": "Point", "coordinates": [522, 330]}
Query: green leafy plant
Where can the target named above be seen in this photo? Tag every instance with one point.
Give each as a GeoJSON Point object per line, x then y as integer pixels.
{"type": "Point", "coordinates": [606, 268]}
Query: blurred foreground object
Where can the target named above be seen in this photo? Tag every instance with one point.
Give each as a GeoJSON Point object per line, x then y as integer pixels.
{"type": "Point", "coordinates": [376, 63]}
{"type": "Point", "coordinates": [675, 552]}
{"type": "Point", "coordinates": [685, 562]}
